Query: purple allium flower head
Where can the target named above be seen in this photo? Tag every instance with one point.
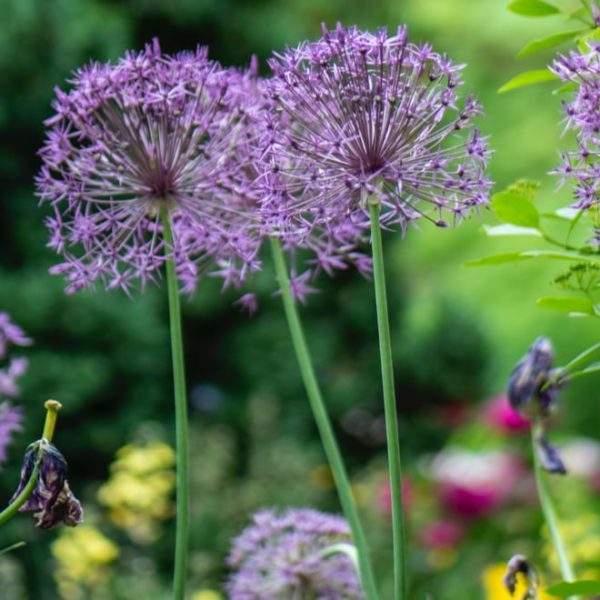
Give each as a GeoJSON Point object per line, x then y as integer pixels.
{"type": "Point", "coordinates": [280, 556]}
{"type": "Point", "coordinates": [581, 167]}
{"type": "Point", "coordinates": [11, 418]}
{"type": "Point", "coordinates": [362, 115]}
{"type": "Point", "coordinates": [152, 134]}
{"type": "Point", "coordinates": [52, 500]}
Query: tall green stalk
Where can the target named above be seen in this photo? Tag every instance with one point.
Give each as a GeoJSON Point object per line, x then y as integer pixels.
{"type": "Point", "coordinates": [319, 410]}
{"type": "Point", "coordinates": [389, 403]}
{"type": "Point", "coordinates": [181, 422]}
{"type": "Point", "coordinates": [549, 512]}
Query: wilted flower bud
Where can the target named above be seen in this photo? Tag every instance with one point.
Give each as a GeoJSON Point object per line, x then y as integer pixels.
{"type": "Point", "coordinates": [519, 564]}
{"type": "Point", "coordinates": [51, 501]}
{"type": "Point", "coordinates": [526, 388]}
{"type": "Point", "coordinates": [549, 455]}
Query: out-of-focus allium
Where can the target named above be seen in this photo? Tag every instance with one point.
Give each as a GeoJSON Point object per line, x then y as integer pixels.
{"type": "Point", "coordinates": [474, 484]}
{"type": "Point", "coordinates": [358, 116]}
{"type": "Point", "coordinates": [11, 418]}
{"type": "Point", "coordinates": [580, 167]}
{"type": "Point", "coordinates": [11, 335]}
{"type": "Point", "coordinates": [152, 134]}
{"type": "Point", "coordinates": [52, 500]}
{"type": "Point", "coordinates": [281, 556]}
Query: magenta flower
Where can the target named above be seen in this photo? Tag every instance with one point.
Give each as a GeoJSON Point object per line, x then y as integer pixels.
{"type": "Point", "coordinates": [148, 136]}
{"type": "Point", "coordinates": [500, 415]}
{"type": "Point", "coordinates": [281, 556]}
{"type": "Point", "coordinates": [362, 115]}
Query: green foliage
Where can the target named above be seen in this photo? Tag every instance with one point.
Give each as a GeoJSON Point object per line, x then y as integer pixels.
{"type": "Point", "coordinates": [568, 304]}
{"type": "Point", "coordinates": [516, 209]}
{"type": "Point", "coordinates": [533, 8]}
{"type": "Point", "coordinates": [565, 589]}
{"type": "Point", "coordinates": [550, 41]}
{"type": "Point", "coordinates": [528, 78]}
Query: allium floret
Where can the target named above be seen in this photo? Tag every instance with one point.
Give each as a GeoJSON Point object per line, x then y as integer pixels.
{"type": "Point", "coordinates": [580, 167]}
{"type": "Point", "coordinates": [283, 556]}
{"type": "Point", "coordinates": [15, 367]}
{"type": "Point", "coordinates": [11, 419]}
{"type": "Point", "coordinates": [358, 116]}
{"type": "Point", "coordinates": [148, 136]}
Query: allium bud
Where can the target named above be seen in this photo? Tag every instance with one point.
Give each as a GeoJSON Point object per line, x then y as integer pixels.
{"type": "Point", "coordinates": [52, 500]}
{"type": "Point", "coordinates": [519, 564]}
{"type": "Point", "coordinates": [527, 391]}
{"type": "Point", "coordinates": [279, 557]}
{"type": "Point", "coordinates": [549, 456]}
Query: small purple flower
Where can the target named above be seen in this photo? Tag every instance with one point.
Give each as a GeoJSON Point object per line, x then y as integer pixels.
{"type": "Point", "coordinates": [359, 116]}
{"type": "Point", "coordinates": [148, 136]}
{"type": "Point", "coordinates": [52, 500]}
{"type": "Point", "coordinates": [281, 556]}
{"type": "Point", "coordinates": [11, 335]}
{"type": "Point", "coordinates": [11, 419]}
{"type": "Point", "coordinates": [581, 167]}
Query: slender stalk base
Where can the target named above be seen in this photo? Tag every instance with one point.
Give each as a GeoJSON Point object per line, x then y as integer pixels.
{"type": "Point", "coordinates": [549, 513]}
{"type": "Point", "coordinates": [181, 423]}
{"type": "Point", "coordinates": [319, 410]}
{"type": "Point", "coordinates": [389, 402]}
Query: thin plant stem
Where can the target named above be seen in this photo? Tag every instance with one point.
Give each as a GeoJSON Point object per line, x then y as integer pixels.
{"type": "Point", "coordinates": [181, 422]}
{"type": "Point", "coordinates": [389, 403]}
{"type": "Point", "coordinates": [52, 407]}
{"type": "Point", "coordinates": [549, 512]}
{"type": "Point", "coordinates": [323, 422]}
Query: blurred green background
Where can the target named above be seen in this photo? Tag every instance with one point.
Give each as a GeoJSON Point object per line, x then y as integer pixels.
{"type": "Point", "coordinates": [457, 331]}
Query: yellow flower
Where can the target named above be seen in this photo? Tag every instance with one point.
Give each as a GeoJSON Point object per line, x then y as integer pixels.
{"type": "Point", "coordinates": [494, 588]}
{"type": "Point", "coordinates": [83, 555]}
{"type": "Point", "coordinates": [207, 595]}
{"type": "Point", "coordinates": [139, 492]}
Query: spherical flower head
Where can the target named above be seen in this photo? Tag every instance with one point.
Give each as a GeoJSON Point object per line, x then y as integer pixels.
{"type": "Point", "coordinates": [281, 556]}
{"type": "Point", "coordinates": [11, 419]}
{"type": "Point", "coordinates": [580, 167]}
{"type": "Point", "coordinates": [368, 117]}
{"type": "Point", "coordinates": [150, 138]}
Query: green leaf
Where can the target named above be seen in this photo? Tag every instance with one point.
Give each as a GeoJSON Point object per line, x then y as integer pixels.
{"type": "Point", "coordinates": [564, 589]}
{"type": "Point", "coordinates": [528, 78]}
{"type": "Point", "coordinates": [582, 42]}
{"type": "Point", "coordinates": [567, 88]}
{"type": "Point", "coordinates": [515, 209]}
{"type": "Point", "coordinates": [528, 188]}
{"type": "Point", "coordinates": [568, 304]}
{"type": "Point", "coordinates": [11, 548]}
{"type": "Point", "coordinates": [549, 42]}
{"type": "Point", "coordinates": [532, 8]}
{"type": "Point", "coordinates": [590, 370]}
{"type": "Point", "coordinates": [496, 259]}
{"type": "Point", "coordinates": [508, 229]}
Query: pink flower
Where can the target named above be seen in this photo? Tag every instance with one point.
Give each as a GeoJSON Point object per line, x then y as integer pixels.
{"type": "Point", "coordinates": [501, 416]}
{"type": "Point", "coordinates": [441, 534]}
{"type": "Point", "coordinates": [384, 496]}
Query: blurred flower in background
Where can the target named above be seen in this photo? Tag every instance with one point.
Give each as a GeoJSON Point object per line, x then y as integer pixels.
{"type": "Point", "coordinates": [282, 556]}
{"type": "Point", "coordinates": [84, 556]}
{"type": "Point", "coordinates": [139, 492]}
{"type": "Point", "coordinates": [11, 335]}
{"type": "Point", "coordinates": [11, 419]}
{"type": "Point", "coordinates": [502, 417]}
{"type": "Point", "coordinates": [494, 588]}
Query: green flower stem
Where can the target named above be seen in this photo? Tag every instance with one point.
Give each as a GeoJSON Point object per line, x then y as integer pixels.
{"type": "Point", "coordinates": [319, 410]}
{"type": "Point", "coordinates": [52, 407]}
{"type": "Point", "coordinates": [563, 372]}
{"type": "Point", "coordinates": [181, 422]}
{"type": "Point", "coordinates": [549, 512]}
{"type": "Point", "coordinates": [389, 402]}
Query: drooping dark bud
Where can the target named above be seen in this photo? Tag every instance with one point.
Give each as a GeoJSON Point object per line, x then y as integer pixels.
{"type": "Point", "coordinates": [549, 456]}
{"type": "Point", "coordinates": [528, 391]}
{"type": "Point", "coordinates": [52, 500]}
{"type": "Point", "coordinates": [519, 564]}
